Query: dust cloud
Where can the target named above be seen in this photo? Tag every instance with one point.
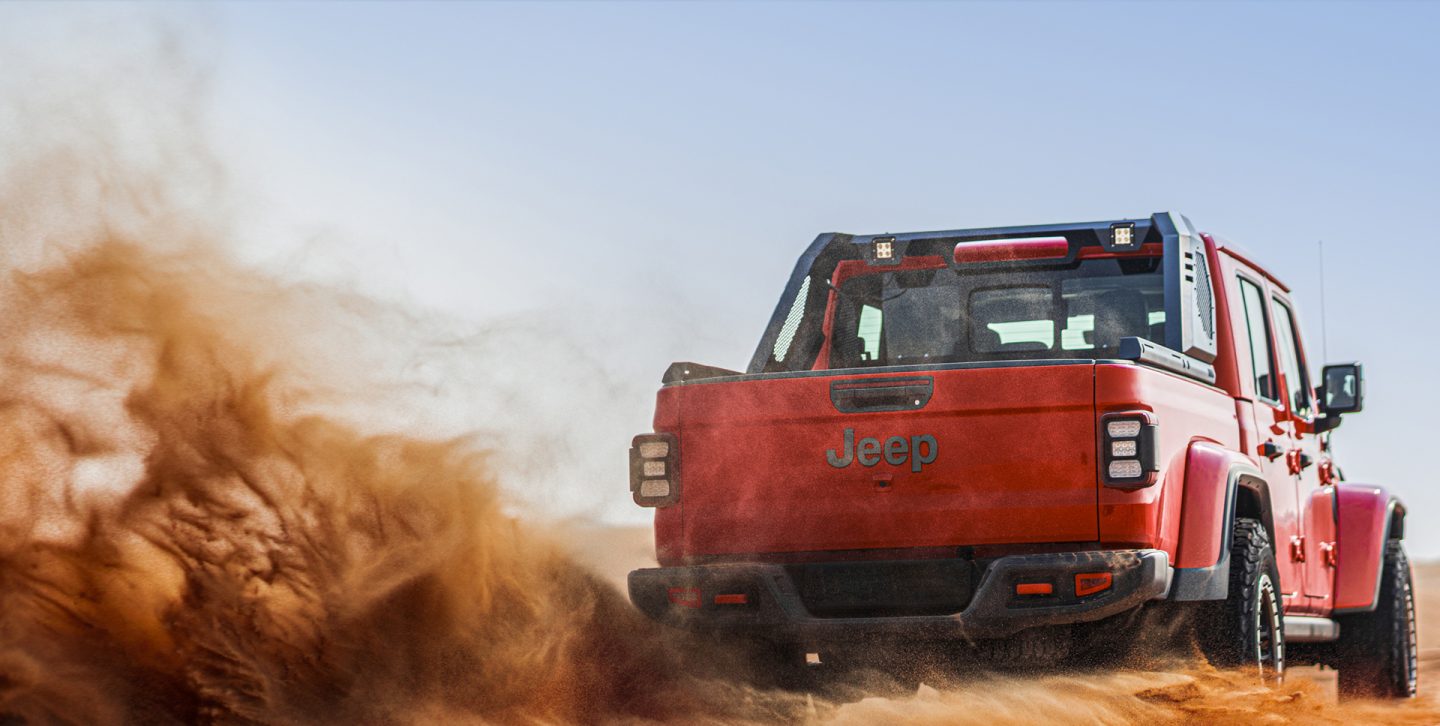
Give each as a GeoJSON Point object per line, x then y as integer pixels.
{"type": "Point", "coordinates": [1155, 688]}
{"type": "Point", "coordinates": [182, 539]}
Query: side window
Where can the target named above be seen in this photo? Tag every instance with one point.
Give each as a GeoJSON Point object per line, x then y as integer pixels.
{"type": "Point", "coordinates": [1259, 334]}
{"type": "Point", "coordinates": [1296, 379]}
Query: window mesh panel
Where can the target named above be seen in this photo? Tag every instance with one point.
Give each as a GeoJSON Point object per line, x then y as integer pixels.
{"type": "Point", "coordinates": [1204, 300]}
{"type": "Point", "coordinates": [792, 322]}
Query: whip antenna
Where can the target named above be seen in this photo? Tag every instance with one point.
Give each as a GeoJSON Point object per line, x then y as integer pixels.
{"type": "Point", "coordinates": [1324, 342]}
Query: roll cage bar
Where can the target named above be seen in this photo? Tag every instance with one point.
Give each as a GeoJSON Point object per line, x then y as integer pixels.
{"type": "Point", "coordinates": [1178, 238]}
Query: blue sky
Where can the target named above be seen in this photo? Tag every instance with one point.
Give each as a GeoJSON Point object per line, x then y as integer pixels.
{"type": "Point", "coordinates": [642, 176]}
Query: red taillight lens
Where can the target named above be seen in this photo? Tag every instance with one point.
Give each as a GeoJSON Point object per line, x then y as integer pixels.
{"type": "Point", "coordinates": [654, 470]}
{"type": "Point", "coordinates": [1089, 583]}
{"type": "Point", "coordinates": [1034, 588]}
{"type": "Point", "coordinates": [1012, 250]}
{"type": "Point", "coordinates": [684, 597]}
{"type": "Point", "coordinates": [733, 598]}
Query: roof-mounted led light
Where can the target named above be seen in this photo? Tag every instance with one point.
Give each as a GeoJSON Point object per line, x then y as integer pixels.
{"type": "Point", "coordinates": [884, 251]}
{"type": "Point", "coordinates": [1122, 238]}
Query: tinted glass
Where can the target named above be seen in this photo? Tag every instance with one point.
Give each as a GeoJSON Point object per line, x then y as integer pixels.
{"type": "Point", "coordinates": [1012, 318]}
{"type": "Point", "coordinates": [1342, 388]}
{"type": "Point", "coordinates": [947, 315]}
{"type": "Point", "coordinates": [1296, 379]}
{"type": "Point", "coordinates": [1259, 336]}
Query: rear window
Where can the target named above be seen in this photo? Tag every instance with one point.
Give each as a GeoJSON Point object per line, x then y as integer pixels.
{"type": "Point", "coordinates": [944, 315]}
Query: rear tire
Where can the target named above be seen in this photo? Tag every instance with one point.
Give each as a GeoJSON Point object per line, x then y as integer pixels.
{"type": "Point", "coordinates": [1377, 655]}
{"type": "Point", "coordinates": [769, 664]}
{"type": "Point", "coordinates": [1027, 649]}
{"type": "Point", "coordinates": [1246, 630]}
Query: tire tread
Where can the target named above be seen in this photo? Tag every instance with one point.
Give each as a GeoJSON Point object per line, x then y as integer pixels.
{"type": "Point", "coordinates": [1373, 653]}
{"type": "Point", "coordinates": [1228, 633]}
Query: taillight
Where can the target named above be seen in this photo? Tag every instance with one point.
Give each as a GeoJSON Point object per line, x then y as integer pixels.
{"type": "Point", "coordinates": [685, 597]}
{"type": "Point", "coordinates": [654, 480]}
{"type": "Point", "coordinates": [1089, 583]}
{"type": "Point", "coordinates": [1034, 588]}
{"type": "Point", "coordinates": [1012, 250]}
{"type": "Point", "coordinates": [1127, 456]}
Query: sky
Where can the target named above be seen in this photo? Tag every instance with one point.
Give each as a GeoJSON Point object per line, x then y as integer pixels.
{"type": "Point", "coordinates": [637, 179]}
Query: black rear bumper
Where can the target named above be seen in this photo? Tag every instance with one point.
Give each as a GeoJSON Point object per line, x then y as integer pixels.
{"type": "Point", "coordinates": [766, 600]}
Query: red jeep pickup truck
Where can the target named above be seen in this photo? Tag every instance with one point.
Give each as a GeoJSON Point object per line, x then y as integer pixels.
{"type": "Point", "coordinates": [1010, 440]}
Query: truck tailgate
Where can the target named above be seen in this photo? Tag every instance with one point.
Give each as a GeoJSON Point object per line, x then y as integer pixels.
{"type": "Point", "coordinates": [1000, 454]}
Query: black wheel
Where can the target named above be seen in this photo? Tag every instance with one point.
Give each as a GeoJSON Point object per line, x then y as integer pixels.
{"type": "Point", "coordinates": [1377, 654]}
{"type": "Point", "coordinates": [842, 675]}
{"type": "Point", "coordinates": [1146, 637]}
{"type": "Point", "coordinates": [769, 664]}
{"type": "Point", "coordinates": [890, 671]}
{"type": "Point", "coordinates": [1247, 630]}
{"type": "Point", "coordinates": [1027, 649]}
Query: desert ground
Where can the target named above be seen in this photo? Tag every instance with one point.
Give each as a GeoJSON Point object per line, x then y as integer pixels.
{"type": "Point", "coordinates": [1188, 693]}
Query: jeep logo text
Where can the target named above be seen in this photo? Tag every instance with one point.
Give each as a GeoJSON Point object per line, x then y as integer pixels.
{"type": "Point", "coordinates": [920, 450]}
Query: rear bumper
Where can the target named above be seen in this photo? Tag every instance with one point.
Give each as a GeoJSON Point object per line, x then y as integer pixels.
{"type": "Point", "coordinates": [774, 607]}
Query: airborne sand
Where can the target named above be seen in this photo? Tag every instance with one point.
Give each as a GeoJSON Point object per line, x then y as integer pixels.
{"type": "Point", "coordinates": [1190, 693]}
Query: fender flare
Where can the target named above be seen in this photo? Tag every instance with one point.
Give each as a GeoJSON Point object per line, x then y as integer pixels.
{"type": "Point", "coordinates": [1219, 486]}
{"type": "Point", "coordinates": [1369, 517]}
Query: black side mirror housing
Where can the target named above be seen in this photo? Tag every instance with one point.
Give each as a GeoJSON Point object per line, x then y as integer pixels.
{"type": "Point", "coordinates": [1343, 392]}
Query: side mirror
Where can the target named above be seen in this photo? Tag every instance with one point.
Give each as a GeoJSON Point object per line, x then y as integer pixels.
{"type": "Point", "coordinates": [1343, 390]}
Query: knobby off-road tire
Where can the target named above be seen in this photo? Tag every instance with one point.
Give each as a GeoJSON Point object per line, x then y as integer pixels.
{"type": "Point", "coordinates": [1247, 630]}
{"type": "Point", "coordinates": [768, 664]}
{"type": "Point", "coordinates": [842, 676]}
{"type": "Point", "coordinates": [1033, 648]}
{"type": "Point", "coordinates": [1376, 654]}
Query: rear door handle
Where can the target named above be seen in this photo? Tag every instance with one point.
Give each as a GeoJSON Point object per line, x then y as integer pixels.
{"type": "Point", "coordinates": [862, 395]}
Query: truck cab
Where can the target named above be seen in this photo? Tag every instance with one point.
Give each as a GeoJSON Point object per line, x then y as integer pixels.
{"type": "Point", "coordinates": [995, 439]}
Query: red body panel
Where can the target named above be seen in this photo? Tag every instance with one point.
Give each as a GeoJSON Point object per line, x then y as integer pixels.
{"type": "Point", "coordinates": [1227, 361]}
{"type": "Point", "coordinates": [1187, 411]}
{"type": "Point", "coordinates": [1015, 463]}
{"type": "Point", "coordinates": [1365, 512]}
{"type": "Point", "coordinates": [1206, 497]}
